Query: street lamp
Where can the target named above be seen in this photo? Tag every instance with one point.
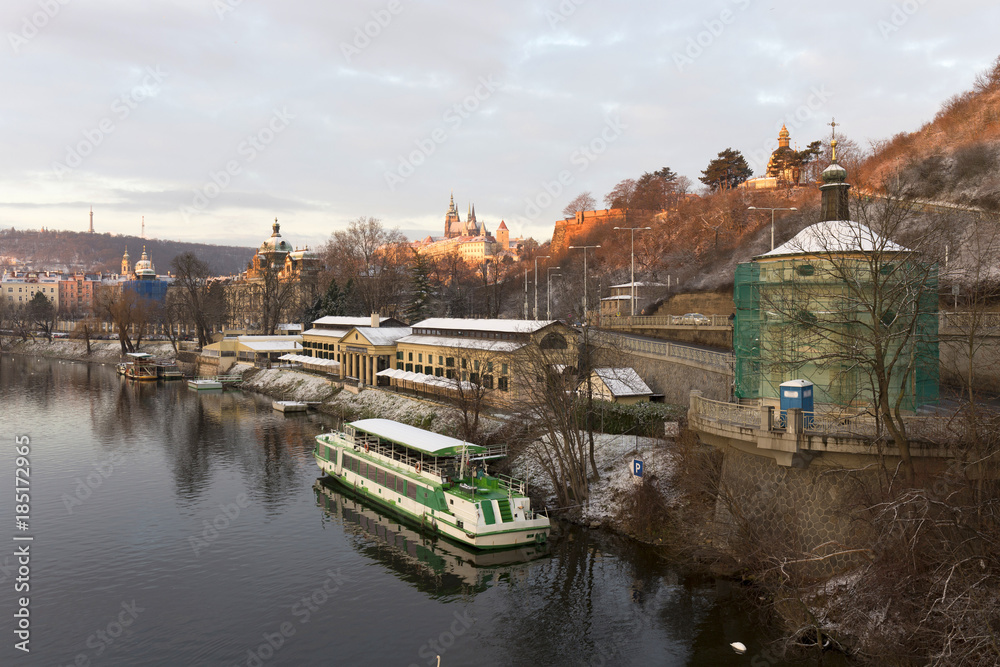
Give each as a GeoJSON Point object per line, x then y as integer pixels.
{"type": "Point", "coordinates": [548, 291]}
{"type": "Point", "coordinates": [632, 286]}
{"type": "Point", "coordinates": [772, 210]}
{"type": "Point", "coordinates": [584, 249]}
{"type": "Point", "coordinates": [536, 282]}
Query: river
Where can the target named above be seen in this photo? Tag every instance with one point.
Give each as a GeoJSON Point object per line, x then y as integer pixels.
{"type": "Point", "coordinates": [171, 527]}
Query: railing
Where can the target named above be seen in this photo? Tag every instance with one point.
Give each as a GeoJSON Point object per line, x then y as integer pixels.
{"type": "Point", "coordinates": [938, 429]}
{"type": "Point", "coordinates": [668, 350]}
{"type": "Point", "coordinates": [978, 322]}
{"type": "Point", "coordinates": [747, 416]}
{"type": "Point", "coordinates": [629, 322]}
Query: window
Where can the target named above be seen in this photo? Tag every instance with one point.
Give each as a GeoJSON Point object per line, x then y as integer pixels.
{"type": "Point", "coordinates": [420, 358]}
{"type": "Point", "coordinates": [503, 369]}
{"type": "Point", "coordinates": [474, 378]}
{"type": "Point", "coordinates": [418, 369]}
{"type": "Point", "coordinates": [440, 361]}
{"type": "Point", "coordinates": [450, 362]}
{"type": "Point", "coordinates": [464, 364]}
{"type": "Point", "coordinates": [476, 364]}
{"type": "Point", "coordinates": [438, 372]}
{"type": "Point", "coordinates": [411, 490]}
{"type": "Point", "coordinates": [502, 384]}
{"type": "Point", "coordinates": [450, 374]}
{"type": "Point", "coordinates": [488, 381]}
{"type": "Point", "coordinates": [553, 341]}
{"type": "Point", "coordinates": [409, 368]}
{"type": "Point", "coordinates": [489, 366]}
{"type": "Point", "coordinates": [399, 356]}
{"type": "Point", "coordinates": [409, 357]}
{"type": "Point", "coordinates": [805, 269]}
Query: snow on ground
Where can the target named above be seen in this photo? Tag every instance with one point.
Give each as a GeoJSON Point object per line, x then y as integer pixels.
{"type": "Point", "coordinates": [614, 455]}
{"type": "Point", "coordinates": [289, 385]}
{"type": "Point", "coordinates": [102, 351]}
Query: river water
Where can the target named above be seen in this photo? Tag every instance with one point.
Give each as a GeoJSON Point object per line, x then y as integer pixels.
{"type": "Point", "coordinates": [172, 527]}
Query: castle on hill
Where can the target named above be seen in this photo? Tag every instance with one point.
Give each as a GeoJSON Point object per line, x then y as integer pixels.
{"type": "Point", "coordinates": [470, 240]}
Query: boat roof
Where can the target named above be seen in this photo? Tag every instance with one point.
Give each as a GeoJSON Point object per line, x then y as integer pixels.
{"type": "Point", "coordinates": [139, 355]}
{"type": "Point", "coordinates": [415, 438]}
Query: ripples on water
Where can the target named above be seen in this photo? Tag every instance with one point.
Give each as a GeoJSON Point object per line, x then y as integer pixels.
{"type": "Point", "coordinates": [350, 585]}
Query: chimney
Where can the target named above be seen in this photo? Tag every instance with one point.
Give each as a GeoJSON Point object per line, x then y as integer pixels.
{"type": "Point", "coordinates": [375, 320]}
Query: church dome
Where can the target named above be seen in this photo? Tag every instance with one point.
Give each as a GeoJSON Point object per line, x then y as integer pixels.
{"type": "Point", "coordinates": [274, 243]}
{"type": "Point", "coordinates": [144, 267]}
{"type": "Point", "coordinates": [834, 174]}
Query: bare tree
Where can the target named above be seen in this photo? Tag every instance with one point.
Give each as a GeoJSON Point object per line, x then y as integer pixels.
{"type": "Point", "coordinates": [191, 277]}
{"type": "Point", "coordinates": [126, 310]}
{"type": "Point", "coordinates": [376, 259]}
{"type": "Point", "coordinates": [582, 202]}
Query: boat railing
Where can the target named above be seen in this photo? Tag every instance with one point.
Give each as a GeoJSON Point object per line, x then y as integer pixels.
{"type": "Point", "coordinates": [375, 446]}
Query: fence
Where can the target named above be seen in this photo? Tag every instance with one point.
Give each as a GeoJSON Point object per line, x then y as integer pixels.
{"type": "Point", "coordinates": [668, 350]}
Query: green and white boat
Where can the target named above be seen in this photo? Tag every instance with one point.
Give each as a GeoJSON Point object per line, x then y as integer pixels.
{"type": "Point", "coordinates": [435, 480]}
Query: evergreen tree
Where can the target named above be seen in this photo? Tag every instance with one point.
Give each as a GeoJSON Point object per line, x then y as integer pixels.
{"type": "Point", "coordinates": [419, 308]}
{"type": "Point", "coordinates": [726, 171]}
{"type": "Point", "coordinates": [332, 303]}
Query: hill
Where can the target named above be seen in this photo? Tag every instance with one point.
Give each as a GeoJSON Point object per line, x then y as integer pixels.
{"type": "Point", "coordinates": [955, 157]}
{"type": "Point", "coordinates": [81, 251]}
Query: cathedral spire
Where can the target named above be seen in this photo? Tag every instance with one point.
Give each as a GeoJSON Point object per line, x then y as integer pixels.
{"type": "Point", "coordinates": [834, 204]}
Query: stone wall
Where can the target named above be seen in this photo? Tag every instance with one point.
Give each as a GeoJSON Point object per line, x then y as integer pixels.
{"type": "Point", "coordinates": [788, 510]}
{"type": "Point", "coordinates": [675, 380]}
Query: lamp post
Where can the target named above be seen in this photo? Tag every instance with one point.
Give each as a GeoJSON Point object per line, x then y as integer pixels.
{"type": "Point", "coordinates": [772, 210]}
{"type": "Point", "coordinates": [584, 249]}
{"type": "Point", "coordinates": [536, 282]}
{"type": "Point", "coordinates": [526, 293]}
{"type": "Point", "coordinates": [548, 291]}
{"type": "Point", "coordinates": [632, 286]}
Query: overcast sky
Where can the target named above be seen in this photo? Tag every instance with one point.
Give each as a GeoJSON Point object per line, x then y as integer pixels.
{"type": "Point", "coordinates": [213, 117]}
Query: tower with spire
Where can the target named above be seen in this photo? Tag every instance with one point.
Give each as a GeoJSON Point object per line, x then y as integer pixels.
{"type": "Point", "coordinates": [126, 263]}
{"type": "Point", "coordinates": [834, 205]}
{"type": "Point", "coordinates": [452, 220]}
{"type": "Point", "coordinates": [91, 219]}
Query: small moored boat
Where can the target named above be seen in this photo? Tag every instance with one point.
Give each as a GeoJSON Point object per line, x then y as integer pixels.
{"type": "Point", "coordinates": [202, 384]}
{"type": "Point", "coordinates": [434, 479]}
{"type": "Point", "coordinates": [289, 406]}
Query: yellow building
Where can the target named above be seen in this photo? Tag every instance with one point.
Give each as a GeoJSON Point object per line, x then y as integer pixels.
{"type": "Point", "coordinates": [21, 288]}
{"type": "Point", "coordinates": [484, 352]}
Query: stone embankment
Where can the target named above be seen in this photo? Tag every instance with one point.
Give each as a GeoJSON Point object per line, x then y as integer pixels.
{"type": "Point", "coordinates": [101, 351]}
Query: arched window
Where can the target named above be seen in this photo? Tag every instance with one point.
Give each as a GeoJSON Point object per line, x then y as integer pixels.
{"type": "Point", "coordinates": [553, 341]}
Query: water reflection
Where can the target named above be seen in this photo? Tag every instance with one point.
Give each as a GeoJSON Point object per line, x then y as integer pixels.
{"type": "Point", "coordinates": [432, 564]}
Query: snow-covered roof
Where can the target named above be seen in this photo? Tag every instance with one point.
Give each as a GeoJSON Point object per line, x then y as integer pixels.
{"type": "Point", "coordinates": [412, 437]}
{"type": "Point", "coordinates": [346, 322]}
{"type": "Point", "coordinates": [329, 333]}
{"type": "Point", "coordinates": [463, 343]}
{"type": "Point", "coordinates": [497, 325]}
{"type": "Point", "coordinates": [619, 297]}
{"type": "Point", "coordinates": [623, 382]}
{"type": "Point", "coordinates": [272, 345]}
{"type": "Point", "coordinates": [382, 335]}
{"type": "Point", "coordinates": [312, 361]}
{"type": "Point", "coordinates": [834, 236]}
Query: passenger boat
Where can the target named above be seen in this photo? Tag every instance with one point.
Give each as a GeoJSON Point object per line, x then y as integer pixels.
{"type": "Point", "coordinates": [435, 480]}
{"type": "Point", "coordinates": [140, 366]}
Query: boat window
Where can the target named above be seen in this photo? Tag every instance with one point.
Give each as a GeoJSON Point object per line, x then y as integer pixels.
{"type": "Point", "coordinates": [364, 469]}
{"type": "Point", "coordinates": [400, 485]}
{"type": "Point", "coordinates": [373, 472]}
{"type": "Point", "coordinates": [390, 480]}
{"type": "Point", "coordinates": [411, 490]}
{"type": "Point", "coordinates": [380, 477]}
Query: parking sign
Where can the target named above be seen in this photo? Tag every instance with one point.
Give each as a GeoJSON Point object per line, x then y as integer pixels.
{"type": "Point", "coordinates": [637, 467]}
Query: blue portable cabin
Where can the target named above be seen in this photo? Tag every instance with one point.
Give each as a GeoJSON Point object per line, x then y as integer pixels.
{"type": "Point", "coordinates": [795, 394]}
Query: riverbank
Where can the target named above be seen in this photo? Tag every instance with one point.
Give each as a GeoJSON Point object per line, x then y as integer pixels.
{"type": "Point", "coordinates": [102, 351]}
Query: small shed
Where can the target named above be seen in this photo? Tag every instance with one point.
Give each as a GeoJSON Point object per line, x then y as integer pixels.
{"type": "Point", "coordinates": [619, 385]}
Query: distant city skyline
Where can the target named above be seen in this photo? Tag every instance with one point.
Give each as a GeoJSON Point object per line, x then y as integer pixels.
{"type": "Point", "coordinates": [212, 118]}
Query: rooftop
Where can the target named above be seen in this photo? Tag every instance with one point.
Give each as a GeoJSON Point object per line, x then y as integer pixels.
{"type": "Point", "coordinates": [415, 438]}
{"type": "Point", "coordinates": [834, 236]}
